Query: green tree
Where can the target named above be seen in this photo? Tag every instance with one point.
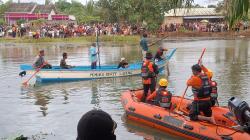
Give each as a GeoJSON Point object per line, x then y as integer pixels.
{"type": "Point", "coordinates": [47, 2]}
{"type": "Point", "coordinates": [2, 21]}
{"type": "Point", "coordinates": [4, 7]}
{"type": "Point", "coordinates": [197, 6]}
{"type": "Point", "coordinates": [234, 10]}
{"type": "Point", "coordinates": [134, 11]}
{"type": "Point", "coordinates": [211, 6]}
{"type": "Point", "coordinates": [20, 21]}
{"type": "Point", "coordinates": [83, 13]}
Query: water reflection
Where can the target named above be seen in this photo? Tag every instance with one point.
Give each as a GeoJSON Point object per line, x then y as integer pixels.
{"type": "Point", "coordinates": [77, 53]}
{"type": "Point", "coordinates": [95, 98]}
{"type": "Point", "coordinates": [146, 132]}
{"type": "Point", "coordinates": [44, 94]}
{"type": "Point", "coordinates": [42, 100]}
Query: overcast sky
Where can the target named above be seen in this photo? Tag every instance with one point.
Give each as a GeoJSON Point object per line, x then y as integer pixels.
{"type": "Point", "coordinates": [200, 2]}
{"type": "Point", "coordinates": [206, 2]}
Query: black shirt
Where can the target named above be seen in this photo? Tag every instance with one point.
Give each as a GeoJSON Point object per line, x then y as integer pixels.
{"type": "Point", "coordinates": [158, 54]}
{"type": "Point", "coordinates": [122, 64]}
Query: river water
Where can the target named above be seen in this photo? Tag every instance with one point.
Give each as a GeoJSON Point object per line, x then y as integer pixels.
{"type": "Point", "coordinates": [52, 111]}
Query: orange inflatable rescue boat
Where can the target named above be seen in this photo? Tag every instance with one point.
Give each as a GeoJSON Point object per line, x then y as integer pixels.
{"type": "Point", "coordinates": [178, 123]}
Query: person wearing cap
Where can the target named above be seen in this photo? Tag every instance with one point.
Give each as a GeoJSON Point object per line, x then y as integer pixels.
{"type": "Point", "coordinates": [93, 55]}
{"type": "Point", "coordinates": [96, 125]}
{"type": "Point", "coordinates": [149, 72]}
{"type": "Point", "coordinates": [123, 63]}
{"type": "Point", "coordinates": [40, 61]}
{"type": "Point", "coordinates": [63, 63]}
{"type": "Point", "coordinates": [162, 96]}
{"type": "Point", "coordinates": [144, 45]}
{"type": "Point", "coordinates": [200, 83]}
{"type": "Point", "coordinates": [159, 54]}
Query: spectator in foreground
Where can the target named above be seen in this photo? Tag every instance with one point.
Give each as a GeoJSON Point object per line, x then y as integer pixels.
{"type": "Point", "coordinates": [96, 125]}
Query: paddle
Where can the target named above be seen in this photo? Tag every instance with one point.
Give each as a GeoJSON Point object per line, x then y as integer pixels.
{"type": "Point", "coordinates": [157, 41]}
{"type": "Point", "coordinates": [98, 48]}
{"type": "Point", "coordinates": [37, 70]}
{"type": "Point", "coordinates": [169, 56]}
{"type": "Point", "coordinates": [183, 95]}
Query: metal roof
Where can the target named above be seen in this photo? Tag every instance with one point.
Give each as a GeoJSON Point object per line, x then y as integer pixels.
{"type": "Point", "coordinates": [182, 12]}
{"type": "Point", "coordinates": [202, 17]}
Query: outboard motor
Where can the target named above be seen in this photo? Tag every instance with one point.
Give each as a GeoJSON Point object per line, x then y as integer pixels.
{"type": "Point", "coordinates": [241, 111]}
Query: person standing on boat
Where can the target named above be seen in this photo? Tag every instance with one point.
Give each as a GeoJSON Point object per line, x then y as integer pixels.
{"type": "Point", "coordinates": [162, 96]}
{"type": "Point", "coordinates": [63, 63]}
{"type": "Point", "coordinates": [200, 83]}
{"type": "Point", "coordinates": [40, 61]}
{"type": "Point", "coordinates": [159, 54]}
{"type": "Point", "coordinates": [149, 72]}
{"type": "Point", "coordinates": [144, 45]}
{"type": "Point", "coordinates": [93, 55]}
{"type": "Point", "coordinates": [123, 63]}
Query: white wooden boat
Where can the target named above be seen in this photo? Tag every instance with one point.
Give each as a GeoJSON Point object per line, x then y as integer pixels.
{"type": "Point", "coordinates": [57, 74]}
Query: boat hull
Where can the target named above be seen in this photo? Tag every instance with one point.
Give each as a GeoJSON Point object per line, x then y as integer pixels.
{"type": "Point", "coordinates": [64, 76]}
{"type": "Point", "coordinates": [56, 74]}
{"type": "Point", "coordinates": [177, 123]}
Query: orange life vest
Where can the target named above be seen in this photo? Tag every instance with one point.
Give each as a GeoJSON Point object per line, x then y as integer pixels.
{"type": "Point", "coordinates": [204, 92]}
{"type": "Point", "coordinates": [163, 97]}
{"type": "Point", "coordinates": [147, 72]}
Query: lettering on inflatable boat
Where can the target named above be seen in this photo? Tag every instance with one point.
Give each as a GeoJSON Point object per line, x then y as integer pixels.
{"type": "Point", "coordinates": [173, 121]}
{"type": "Point", "coordinates": [203, 128]}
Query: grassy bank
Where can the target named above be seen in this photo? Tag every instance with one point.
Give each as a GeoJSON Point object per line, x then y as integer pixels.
{"type": "Point", "coordinates": [219, 35]}
{"type": "Point", "coordinates": [129, 39]}
{"type": "Point", "coordinates": [83, 39]}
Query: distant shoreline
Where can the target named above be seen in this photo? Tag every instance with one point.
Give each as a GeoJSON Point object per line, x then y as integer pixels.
{"type": "Point", "coordinates": [207, 35]}
{"type": "Point", "coordinates": [83, 39]}
{"type": "Point", "coordinates": [134, 39]}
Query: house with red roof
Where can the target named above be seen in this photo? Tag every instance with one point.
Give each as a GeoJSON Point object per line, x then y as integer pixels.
{"type": "Point", "coordinates": [34, 11]}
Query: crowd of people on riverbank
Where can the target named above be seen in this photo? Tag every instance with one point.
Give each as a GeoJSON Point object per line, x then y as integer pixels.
{"type": "Point", "coordinates": [74, 30]}
{"type": "Point", "coordinates": [68, 30]}
{"type": "Point", "coordinates": [203, 27]}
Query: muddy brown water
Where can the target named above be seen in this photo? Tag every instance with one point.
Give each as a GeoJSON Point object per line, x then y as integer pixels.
{"type": "Point", "coordinates": [52, 111]}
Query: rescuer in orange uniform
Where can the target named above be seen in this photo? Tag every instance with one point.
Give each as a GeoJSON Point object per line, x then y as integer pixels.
{"type": "Point", "coordinates": [200, 82]}
{"type": "Point", "coordinates": [149, 72]}
{"type": "Point", "coordinates": [213, 84]}
{"type": "Point", "coordinates": [159, 54]}
{"type": "Point", "coordinates": [162, 96]}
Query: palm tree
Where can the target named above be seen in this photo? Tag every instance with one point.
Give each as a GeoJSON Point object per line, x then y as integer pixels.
{"type": "Point", "coordinates": [236, 9]}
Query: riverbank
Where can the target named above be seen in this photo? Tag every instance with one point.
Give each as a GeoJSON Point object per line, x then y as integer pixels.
{"type": "Point", "coordinates": [83, 39]}
{"type": "Point", "coordinates": [136, 38]}
{"type": "Point", "coordinates": [209, 35]}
